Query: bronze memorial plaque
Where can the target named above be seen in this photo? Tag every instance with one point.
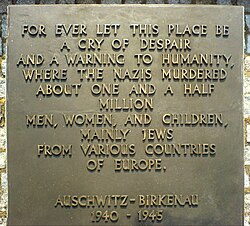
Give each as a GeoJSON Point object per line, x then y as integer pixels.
{"type": "Point", "coordinates": [125, 115]}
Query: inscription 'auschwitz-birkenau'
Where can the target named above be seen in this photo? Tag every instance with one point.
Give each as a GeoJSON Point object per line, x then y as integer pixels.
{"type": "Point", "coordinates": [125, 115]}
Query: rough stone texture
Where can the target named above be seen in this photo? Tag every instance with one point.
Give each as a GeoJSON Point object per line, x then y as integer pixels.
{"type": "Point", "coordinates": [135, 1]}
{"type": "Point", "coordinates": [4, 26]}
{"type": "Point", "coordinates": [47, 1]}
{"type": "Point", "coordinates": [206, 1]}
{"type": "Point", "coordinates": [185, 1]}
{"type": "Point", "coordinates": [247, 207]}
{"type": "Point", "coordinates": [3, 160]}
{"type": "Point", "coordinates": [85, 1]}
{"type": "Point", "coordinates": [247, 64]}
{"type": "Point", "coordinates": [247, 153]}
{"type": "Point", "coordinates": [179, 1]}
{"type": "Point", "coordinates": [3, 221]}
{"type": "Point", "coordinates": [22, 2]}
{"type": "Point", "coordinates": [248, 133]}
{"type": "Point", "coordinates": [3, 5]}
{"type": "Point", "coordinates": [3, 138]}
{"type": "Point", "coordinates": [4, 192]}
{"type": "Point", "coordinates": [2, 113]}
{"type": "Point", "coordinates": [247, 47]}
{"type": "Point", "coordinates": [111, 1]}
{"type": "Point", "coordinates": [4, 201]}
{"type": "Point", "coordinates": [246, 220]}
{"type": "Point", "coordinates": [3, 67]}
{"type": "Point", "coordinates": [247, 21]}
{"type": "Point", "coordinates": [65, 1]}
{"type": "Point", "coordinates": [4, 33]}
{"type": "Point", "coordinates": [155, 1]}
{"type": "Point", "coordinates": [4, 181]}
{"type": "Point", "coordinates": [247, 146]}
{"type": "Point", "coordinates": [3, 157]}
{"type": "Point", "coordinates": [173, 1]}
{"type": "Point", "coordinates": [2, 87]}
{"type": "Point", "coordinates": [245, 3]}
{"type": "Point", "coordinates": [224, 2]}
{"type": "Point", "coordinates": [247, 96]}
{"type": "Point", "coordinates": [1, 47]}
{"type": "Point", "coordinates": [246, 179]}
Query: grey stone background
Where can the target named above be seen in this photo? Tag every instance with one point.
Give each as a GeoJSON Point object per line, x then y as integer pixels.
{"type": "Point", "coordinates": [3, 37]}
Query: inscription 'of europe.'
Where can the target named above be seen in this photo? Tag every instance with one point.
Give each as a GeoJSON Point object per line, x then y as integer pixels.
{"type": "Point", "coordinates": [125, 115]}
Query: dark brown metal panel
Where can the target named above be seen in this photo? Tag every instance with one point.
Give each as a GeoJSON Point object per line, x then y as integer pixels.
{"type": "Point", "coordinates": [189, 168]}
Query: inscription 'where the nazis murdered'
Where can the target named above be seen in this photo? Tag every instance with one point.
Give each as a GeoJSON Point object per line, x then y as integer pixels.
{"type": "Point", "coordinates": [125, 115]}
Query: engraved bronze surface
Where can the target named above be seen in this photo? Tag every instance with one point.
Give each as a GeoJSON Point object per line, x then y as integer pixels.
{"type": "Point", "coordinates": [125, 115]}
